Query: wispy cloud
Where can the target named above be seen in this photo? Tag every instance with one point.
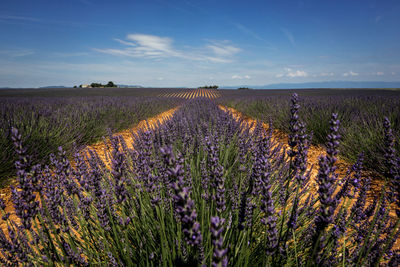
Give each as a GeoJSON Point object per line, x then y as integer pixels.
{"type": "Point", "coordinates": [247, 31]}
{"type": "Point", "coordinates": [87, 2]}
{"type": "Point", "coordinates": [71, 54]}
{"type": "Point", "coordinates": [223, 50]}
{"type": "Point", "coordinates": [325, 74]}
{"type": "Point", "coordinates": [350, 73]}
{"type": "Point", "coordinates": [157, 47]}
{"type": "Point", "coordinates": [17, 52]}
{"type": "Point", "coordinates": [27, 19]}
{"type": "Point", "coordinates": [23, 18]}
{"type": "Point", "coordinates": [124, 42]}
{"type": "Point", "coordinates": [289, 36]}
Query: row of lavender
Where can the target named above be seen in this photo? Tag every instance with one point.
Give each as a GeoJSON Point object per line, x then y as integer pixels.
{"type": "Point", "coordinates": [203, 189]}
{"type": "Point", "coordinates": [360, 112]}
{"type": "Point", "coordinates": [48, 122]}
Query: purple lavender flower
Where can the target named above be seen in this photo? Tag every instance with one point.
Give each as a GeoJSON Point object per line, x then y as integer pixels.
{"type": "Point", "coordinates": [102, 211]}
{"type": "Point", "coordinates": [112, 261]}
{"type": "Point", "coordinates": [73, 257]}
{"type": "Point", "coordinates": [333, 143]}
{"type": "Point", "coordinates": [205, 180]}
{"type": "Point", "coordinates": [293, 125]}
{"type": "Point", "coordinates": [326, 177]}
{"type": "Point", "coordinates": [216, 175]}
{"type": "Point", "coordinates": [220, 253]}
{"type": "Point", "coordinates": [15, 248]}
{"type": "Point", "coordinates": [300, 160]}
{"type": "Point", "coordinates": [52, 191]}
{"type": "Point", "coordinates": [269, 219]}
{"type": "Point", "coordinates": [84, 206]}
{"type": "Point", "coordinates": [118, 171]}
{"type": "Point", "coordinates": [184, 205]}
{"type": "Point", "coordinates": [325, 192]}
{"type": "Point", "coordinates": [23, 197]}
{"type": "Point", "coordinates": [392, 172]}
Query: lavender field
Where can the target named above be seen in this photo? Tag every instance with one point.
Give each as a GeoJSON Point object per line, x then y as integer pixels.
{"type": "Point", "coordinates": [205, 187]}
{"type": "Point", "coordinates": [48, 119]}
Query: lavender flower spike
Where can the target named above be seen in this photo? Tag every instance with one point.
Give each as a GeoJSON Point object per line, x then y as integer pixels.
{"type": "Point", "coordinates": [220, 254]}
{"type": "Point", "coordinates": [23, 197]}
{"type": "Point", "coordinates": [392, 165]}
{"type": "Point", "coordinates": [184, 206]}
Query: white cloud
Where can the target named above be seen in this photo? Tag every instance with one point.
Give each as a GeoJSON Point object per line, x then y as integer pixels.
{"type": "Point", "coordinates": [393, 73]}
{"type": "Point", "coordinates": [239, 77]}
{"type": "Point", "coordinates": [156, 47]}
{"type": "Point", "coordinates": [350, 73]}
{"type": "Point", "coordinates": [298, 73]}
{"type": "Point", "coordinates": [160, 78]}
{"type": "Point", "coordinates": [151, 42]}
{"type": "Point", "coordinates": [292, 74]}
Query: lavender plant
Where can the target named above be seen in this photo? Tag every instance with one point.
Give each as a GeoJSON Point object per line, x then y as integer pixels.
{"type": "Point", "coordinates": [203, 188]}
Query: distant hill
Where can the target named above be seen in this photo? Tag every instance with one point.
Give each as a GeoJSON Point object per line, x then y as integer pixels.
{"type": "Point", "coordinates": [332, 84]}
{"type": "Point", "coordinates": [129, 86]}
{"type": "Point", "coordinates": [54, 86]}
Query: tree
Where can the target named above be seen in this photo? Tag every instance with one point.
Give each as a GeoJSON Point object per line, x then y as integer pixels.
{"type": "Point", "coordinates": [110, 84]}
{"type": "Point", "coordinates": [95, 85]}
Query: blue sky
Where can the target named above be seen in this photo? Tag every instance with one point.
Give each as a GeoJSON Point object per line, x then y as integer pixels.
{"type": "Point", "coordinates": [192, 43]}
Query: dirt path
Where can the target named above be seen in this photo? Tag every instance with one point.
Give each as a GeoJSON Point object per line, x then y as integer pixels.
{"type": "Point", "coordinates": [99, 147]}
